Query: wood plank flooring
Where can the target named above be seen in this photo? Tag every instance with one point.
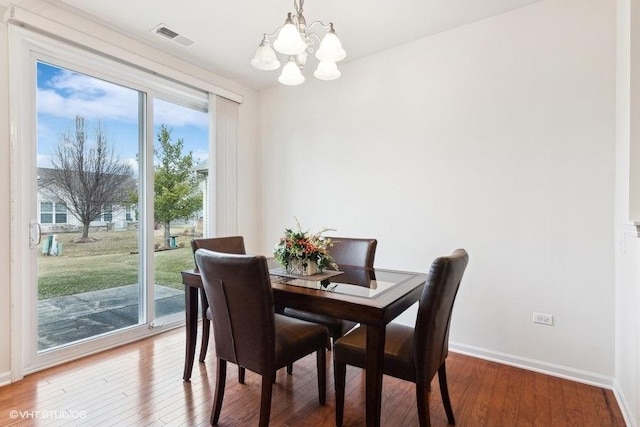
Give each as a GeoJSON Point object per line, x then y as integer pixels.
{"type": "Point", "coordinates": [140, 384]}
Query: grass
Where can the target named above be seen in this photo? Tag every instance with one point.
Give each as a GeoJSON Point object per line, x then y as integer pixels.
{"type": "Point", "coordinates": [111, 261]}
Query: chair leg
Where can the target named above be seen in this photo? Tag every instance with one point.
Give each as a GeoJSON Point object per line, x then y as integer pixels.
{"type": "Point", "coordinates": [444, 391]}
{"type": "Point", "coordinates": [290, 368]}
{"type": "Point", "coordinates": [321, 363]}
{"type": "Point", "coordinates": [206, 326]}
{"type": "Point", "coordinates": [339, 373]}
{"type": "Point", "coordinates": [204, 344]}
{"type": "Point", "coordinates": [422, 398]}
{"type": "Point", "coordinates": [219, 395]}
{"type": "Point", "coordinates": [241, 374]}
{"type": "Point", "coordinates": [265, 400]}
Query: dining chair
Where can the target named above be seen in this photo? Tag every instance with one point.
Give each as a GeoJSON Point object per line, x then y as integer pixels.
{"type": "Point", "coordinates": [230, 245]}
{"type": "Point", "coordinates": [246, 329]}
{"type": "Point", "coordinates": [412, 353]}
{"type": "Point", "coordinates": [348, 252]}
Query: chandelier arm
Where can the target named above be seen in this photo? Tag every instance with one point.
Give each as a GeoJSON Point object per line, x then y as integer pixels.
{"type": "Point", "coordinates": [312, 42]}
{"type": "Point", "coordinates": [322, 25]}
{"type": "Point", "coordinates": [272, 35]}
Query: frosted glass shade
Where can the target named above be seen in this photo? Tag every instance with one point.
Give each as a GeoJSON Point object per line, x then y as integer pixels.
{"type": "Point", "coordinates": [265, 58]}
{"type": "Point", "coordinates": [291, 74]}
{"type": "Point", "coordinates": [327, 71]}
{"type": "Point", "coordinates": [331, 48]}
{"type": "Point", "coordinates": [289, 40]}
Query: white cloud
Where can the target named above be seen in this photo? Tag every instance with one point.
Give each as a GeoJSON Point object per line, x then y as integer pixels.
{"type": "Point", "coordinates": [44, 161]}
{"type": "Point", "coordinates": [200, 155]}
{"type": "Point", "coordinates": [135, 167]}
{"type": "Point", "coordinates": [69, 94]}
{"type": "Point", "coordinates": [176, 115]}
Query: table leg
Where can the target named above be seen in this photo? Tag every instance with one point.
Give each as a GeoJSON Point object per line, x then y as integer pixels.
{"type": "Point", "coordinates": [375, 360]}
{"type": "Point", "coordinates": [191, 317]}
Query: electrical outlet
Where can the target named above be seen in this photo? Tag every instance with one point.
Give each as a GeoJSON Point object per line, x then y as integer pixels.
{"type": "Point", "coordinates": [545, 319]}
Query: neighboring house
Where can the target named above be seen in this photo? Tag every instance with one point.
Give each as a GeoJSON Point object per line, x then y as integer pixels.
{"type": "Point", "coordinates": [54, 216]}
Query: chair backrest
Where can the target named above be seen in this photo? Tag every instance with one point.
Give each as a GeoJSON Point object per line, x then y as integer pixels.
{"type": "Point", "coordinates": [358, 276]}
{"type": "Point", "coordinates": [353, 251]}
{"type": "Point", "coordinates": [431, 336]}
{"type": "Point", "coordinates": [239, 292]}
{"type": "Point", "coordinates": [228, 245]}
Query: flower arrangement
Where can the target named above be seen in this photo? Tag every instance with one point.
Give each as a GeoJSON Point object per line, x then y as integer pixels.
{"type": "Point", "coordinates": [300, 252]}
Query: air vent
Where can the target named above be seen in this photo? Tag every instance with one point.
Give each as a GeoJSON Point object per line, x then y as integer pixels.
{"type": "Point", "coordinates": [166, 32]}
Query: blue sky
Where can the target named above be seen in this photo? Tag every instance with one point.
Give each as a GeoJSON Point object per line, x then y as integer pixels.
{"type": "Point", "coordinates": [63, 94]}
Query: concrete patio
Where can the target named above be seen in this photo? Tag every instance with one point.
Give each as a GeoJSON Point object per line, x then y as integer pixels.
{"type": "Point", "coordinates": [63, 320]}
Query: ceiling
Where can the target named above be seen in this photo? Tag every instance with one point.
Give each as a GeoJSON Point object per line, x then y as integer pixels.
{"type": "Point", "coordinates": [227, 33]}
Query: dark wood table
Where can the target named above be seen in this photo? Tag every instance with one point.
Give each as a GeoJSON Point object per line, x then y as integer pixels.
{"type": "Point", "coordinates": [371, 297]}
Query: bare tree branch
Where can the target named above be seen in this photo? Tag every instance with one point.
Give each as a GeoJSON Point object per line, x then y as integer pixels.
{"type": "Point", "coordinates": [87, 177]}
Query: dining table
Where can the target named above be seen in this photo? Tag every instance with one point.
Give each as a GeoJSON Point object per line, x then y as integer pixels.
{"type": "Point", "coordinates": [370, 296]}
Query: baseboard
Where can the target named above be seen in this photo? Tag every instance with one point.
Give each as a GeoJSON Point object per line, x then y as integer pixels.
{"type": "Point", "coordinates": [5, 378]}
{"type": "Point", "coordinates": [559, 371]}
{"type": "Point", "coordinates": [627, 413]}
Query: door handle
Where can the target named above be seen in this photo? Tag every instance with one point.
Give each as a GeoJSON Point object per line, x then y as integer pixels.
{"type": "Point", "coordinates": [35, 234]}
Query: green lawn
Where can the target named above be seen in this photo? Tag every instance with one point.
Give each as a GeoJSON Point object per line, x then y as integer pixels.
{"type": "Point", "coordinates": [111, 261]}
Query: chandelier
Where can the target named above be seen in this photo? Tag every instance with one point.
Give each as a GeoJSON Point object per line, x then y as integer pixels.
{"type": "Point", "coordinates": [295, 39]}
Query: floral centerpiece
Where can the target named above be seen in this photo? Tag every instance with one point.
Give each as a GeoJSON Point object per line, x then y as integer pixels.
{"type": "Point", "coordinates": [300, 252]}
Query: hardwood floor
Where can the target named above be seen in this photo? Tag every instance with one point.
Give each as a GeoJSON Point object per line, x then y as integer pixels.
{"type": "Point", "coordinates": [141, 384]}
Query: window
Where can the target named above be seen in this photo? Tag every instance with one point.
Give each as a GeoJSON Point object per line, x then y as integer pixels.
{"type": "Point", "coordinates": [47, 210]}
{"type": "Point", "coordinates": [129, 214]}
{"type": "Point", "coordinates": [107, 213]}
{"type": "Point", "coordinates": [61, 213]}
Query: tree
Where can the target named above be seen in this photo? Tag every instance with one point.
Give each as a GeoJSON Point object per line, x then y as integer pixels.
{"type": "Point", "coordinates": [177, 190]}
{"type": "Point", "coordinates": [87, 178]}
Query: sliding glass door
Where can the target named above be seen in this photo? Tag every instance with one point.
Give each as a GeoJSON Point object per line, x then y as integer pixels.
{"type": "Point", "coordinates": [89, 263]}
{"type": "Point", "coordinates": [121, 166]}
{"type": "Point", "coordinates": [180, 172]}
{"type": "Point", "coordinates": [111, 178]}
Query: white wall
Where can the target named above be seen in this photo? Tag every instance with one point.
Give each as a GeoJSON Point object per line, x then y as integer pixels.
{"type": "Point", "coordinates": [248, 159]}
{"type": "Point", "coordinates": [5, 211]}
{"type": "Point", "coordinates": [498, 137]}
{"type": "Point", "coordinates": [627, 348]}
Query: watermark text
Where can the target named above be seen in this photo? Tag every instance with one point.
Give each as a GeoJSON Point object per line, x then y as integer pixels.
{"type": "Point", "coordinates": [15, 414]}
